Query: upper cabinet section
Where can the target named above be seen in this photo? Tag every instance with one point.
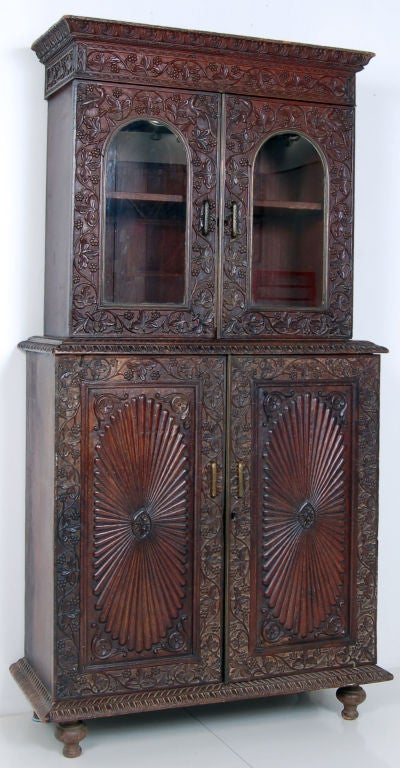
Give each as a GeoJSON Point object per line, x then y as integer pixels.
{"type": "Point", "coordinates": [199, 185]}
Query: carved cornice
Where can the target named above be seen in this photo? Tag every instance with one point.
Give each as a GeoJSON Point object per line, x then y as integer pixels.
{"type": "Point", "coordinates": [113, 51]}
{"type": "Point", "coordinates": [72, 28]}
{"type": "Point", "coordinates": [96, 706]}
{"type": "Point", "coordinates": [270, 348]}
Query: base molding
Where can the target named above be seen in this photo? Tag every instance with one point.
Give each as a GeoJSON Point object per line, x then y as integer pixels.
{"type": "Point", "coordinates": [50, 708]}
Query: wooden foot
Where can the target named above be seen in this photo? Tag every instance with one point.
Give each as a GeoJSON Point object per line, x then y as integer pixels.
{"type": "Point", "coordinates": [71, 734]}
{"type": "Point", "coordinates": [351, 697]}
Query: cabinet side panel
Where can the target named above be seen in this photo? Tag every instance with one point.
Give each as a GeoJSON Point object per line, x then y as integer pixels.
{"type": "Point", "coordinates": [60, 167]}
{"type": "Point", "coordinates": [39, 599]}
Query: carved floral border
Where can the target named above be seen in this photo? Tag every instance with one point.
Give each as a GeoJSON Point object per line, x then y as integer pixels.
{"type": "Point", "coordinates": [74, 376]}
{"type": "Point", "coordinates": [100, 110]}
{"type": "Point", "coordinates": [276, 67]}
{"type": "Point", "coordinates": [249, 122]}
{"type": "Point", "coordinates": [364, 373]}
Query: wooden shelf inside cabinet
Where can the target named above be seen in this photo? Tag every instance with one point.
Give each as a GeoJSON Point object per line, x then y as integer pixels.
{"type": "Point", "coordinates": [146, 197]}
{"type": "Point", "coordinates": [289, 205]}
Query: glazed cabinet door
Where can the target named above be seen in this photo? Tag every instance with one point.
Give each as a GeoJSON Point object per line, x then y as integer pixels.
{"type": "Point", "coordinates": [145, 190]}
{"type": "Point", "coordinates": [288, 201]}
{"type": "Point", "coordinates": [140, 551]}
{"type": "Point", "coordinates": [303, 514]}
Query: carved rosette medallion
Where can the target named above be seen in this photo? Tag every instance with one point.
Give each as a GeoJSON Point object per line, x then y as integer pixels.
{"type": "Point", "coordinates": [304, 504]}
{"type": "Point", "coordinates": [102, 109]}
{"type": "Point", "coordinates": [248, 123]}
{"type": "Point", "coordinates": [140, 523]}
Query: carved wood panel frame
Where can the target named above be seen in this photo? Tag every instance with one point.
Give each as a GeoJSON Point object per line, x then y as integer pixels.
{"type": "Point", "coordinates": [248, 123]}
{"type": "Point", "coordinates": [357, 643]}
{"type": "Point", "coordinates": [116, 672]}
{"type": "Point", "coordinates": [101, 109]}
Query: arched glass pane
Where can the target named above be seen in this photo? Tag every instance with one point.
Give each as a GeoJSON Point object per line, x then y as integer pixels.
{"type": "Point", "coordinates": [145, 242]}
{"type": "Point", "coordinates": [288, 246]}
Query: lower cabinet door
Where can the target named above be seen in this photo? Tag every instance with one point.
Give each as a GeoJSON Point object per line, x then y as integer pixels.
{"type": "Point", "coordinates": [303, 514]}
{"type": "Point", "coordinates": [140, 523]}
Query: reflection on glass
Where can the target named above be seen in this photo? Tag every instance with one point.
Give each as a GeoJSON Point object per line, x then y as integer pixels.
{"type": "Point", "coordinates": [287, 269]}
{"type": "Point", "coordinates": [145, 243]}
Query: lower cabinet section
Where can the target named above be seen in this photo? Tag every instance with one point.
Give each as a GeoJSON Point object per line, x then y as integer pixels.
{"type": "Point", "coordinates": [211, 533]}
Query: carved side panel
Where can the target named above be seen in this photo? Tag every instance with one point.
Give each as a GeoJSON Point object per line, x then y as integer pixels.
{"type": "Point", "coordinates": [249, 122]}
{"type": "Point", "coordinates": [100, 110]}
{"type": "Point", "coordinates": [303, 536]}
{"type": "Point", "coordinates": [139, 544]}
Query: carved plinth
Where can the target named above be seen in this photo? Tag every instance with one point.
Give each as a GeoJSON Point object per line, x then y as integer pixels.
{"type": "Point", "coordinates": [351, 697]}
{"type": "Point", "coordinates": [71, 734]}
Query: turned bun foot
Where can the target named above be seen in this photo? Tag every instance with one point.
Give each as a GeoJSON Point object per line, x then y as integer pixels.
{"type": "Point", "coordinates": [351, 697]}
{"type": "Point", "coordinates": [71, 734]}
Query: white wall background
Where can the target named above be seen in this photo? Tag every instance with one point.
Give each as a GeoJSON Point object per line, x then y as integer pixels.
{"type": "Point", "coordinates": [363, 24]}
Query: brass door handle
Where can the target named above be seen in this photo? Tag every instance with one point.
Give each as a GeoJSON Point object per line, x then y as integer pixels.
{"type": "Point", "coordinates": [240, 479]}
{"type": "Point", "coordinates": [205, 224]}
{"type": "Point", "coordinates": [235, 220]}
{"type": "Point", "coordinates": [213, 480]}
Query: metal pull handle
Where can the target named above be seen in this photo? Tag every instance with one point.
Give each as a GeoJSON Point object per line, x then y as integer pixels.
{"type": "Point", "coordinates": [235, 220]}
{"type": "Point", "coordinates": [240, 477]}
{"type": "Point", "coordinates": [206, 218]}
{"type": "Point", "coordinates": [213, 483]}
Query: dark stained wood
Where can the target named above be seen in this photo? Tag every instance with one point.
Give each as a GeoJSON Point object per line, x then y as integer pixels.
{"type": "Point", "coordinates": [163, 74]}
{"type": "Point", "coordinates": [351, 696]}
{"type": "Point", "coordinates": [202, 472]}
{"type": "Point", "coordinates": [71, 734]}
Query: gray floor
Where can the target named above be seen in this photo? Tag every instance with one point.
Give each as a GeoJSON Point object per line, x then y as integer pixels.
{"type": "Point", "coordinates": [303, 730]}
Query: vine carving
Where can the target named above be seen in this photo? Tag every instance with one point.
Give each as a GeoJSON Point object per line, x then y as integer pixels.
{"type": "Point", "coordinates": [190, 388]}
{"type": "Point", "coordinates": [101, 109]}
{"type": "Point", "coordinates": [268, 646]}
{"type": "Point", "coordinates": [249, 121]}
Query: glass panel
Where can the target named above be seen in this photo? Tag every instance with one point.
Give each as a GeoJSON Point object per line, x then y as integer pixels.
{"type": "Point", "coordinates": [145, 243]}
{"type": "Point", "coordinates": [288, 224]}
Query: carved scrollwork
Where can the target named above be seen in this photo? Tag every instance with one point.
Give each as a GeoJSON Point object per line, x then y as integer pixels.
{"type": "Point", "coordinates": [81, 637]}
{"type": "Point", "coordinates": [102, 108]}
{"type": "Point", "coordinates": [269, 647]}
{"type": "Point", "coordinates": [249, 121]}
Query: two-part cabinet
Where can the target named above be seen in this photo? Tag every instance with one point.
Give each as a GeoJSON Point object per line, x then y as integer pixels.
{"type": "Point", "coordinates": [202, 433]}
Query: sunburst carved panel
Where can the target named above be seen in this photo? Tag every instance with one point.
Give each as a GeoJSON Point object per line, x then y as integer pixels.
{"type": "Point", "coordinates": [90, 390]}
{"type": "Point", "coordinates": [304, 505]}
{"type": "Point", "coordinates": [140, 523]}
{"type": "Point", "coordinates": [262, 387]}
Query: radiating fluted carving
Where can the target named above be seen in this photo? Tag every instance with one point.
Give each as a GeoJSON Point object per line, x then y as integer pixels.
{"type": "Point", "coordinates": [303, 515]}
{"type": "Point", "coordinates": [140, 523]}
